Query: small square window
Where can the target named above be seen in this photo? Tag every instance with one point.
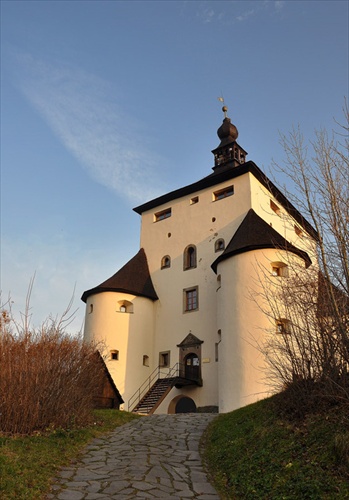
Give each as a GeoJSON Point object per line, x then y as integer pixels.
{"type": "Point", "coordinates": [114, 355]}
{"type": "Point", "coordinates": [223, 193]}
{"type": "Point", "coordinates": [164, 359]}
{"type": "Point", "coordinates": [283, 326]}
{"type": "Point", "coordinates": [194, 200]}
{"type": "Point", "coordinates": [275, 208]}
{"type": "Point", "coordinates": [164, 214]}
{"type": "Point", "coordinates": [298, 231]}
{"type": "Point", "coordinates": [279, 269]}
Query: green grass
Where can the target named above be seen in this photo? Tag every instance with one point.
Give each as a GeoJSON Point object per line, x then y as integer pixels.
{"type": "Point", "coordinates": [253, 453]}
{"type": "Point", "coordinates": [27, 464]}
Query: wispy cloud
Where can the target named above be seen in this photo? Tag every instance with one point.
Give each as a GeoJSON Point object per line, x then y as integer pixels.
{"type": "Point", "coordinates": [228, 13]}
{"type": "Point", "coordinates": [81, 110]}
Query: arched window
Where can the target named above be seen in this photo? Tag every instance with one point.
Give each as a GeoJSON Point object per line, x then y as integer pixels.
{"type": "Point", "coordinates": [219, 245]}
{"type": "Point", "coordinates": [189, 257]}
{"type": "Point", "coordinates": [125, 306]}
{"type": "Point", "coordinates": [165, 262]}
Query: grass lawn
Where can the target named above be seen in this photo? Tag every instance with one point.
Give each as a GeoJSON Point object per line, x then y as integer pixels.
{"type": "Point", "coordinates": [253, 453]}
{"type": "Point", "coordinates": [27, 464]}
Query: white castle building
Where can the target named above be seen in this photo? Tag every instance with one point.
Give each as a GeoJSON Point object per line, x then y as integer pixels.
{"type": "Point", "coordinates": [180, 321]}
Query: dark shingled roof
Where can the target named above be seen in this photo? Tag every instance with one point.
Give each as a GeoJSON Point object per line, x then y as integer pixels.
{"type": "Point", "coordinates": [132, 278]}
{"type": "Point", "coordinates": [223, 174]}
{"type": "Point", "coordinates": [253, 234]}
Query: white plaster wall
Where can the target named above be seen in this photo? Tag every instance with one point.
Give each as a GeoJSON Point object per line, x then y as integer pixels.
{"type": "Point", "coordinates": [191, 224]}
{"type": "Point", "coordinates": [241, 365]}
{"type": "Point", "coordinates": [283, 222]}
{"type": "Point", "coordinates": [245, 315]}
{"type": "Point", "coordinates": [129, 333]}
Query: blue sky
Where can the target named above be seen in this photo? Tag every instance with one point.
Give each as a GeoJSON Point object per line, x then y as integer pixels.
{"type": "Point", "coordinates": [107, 104]}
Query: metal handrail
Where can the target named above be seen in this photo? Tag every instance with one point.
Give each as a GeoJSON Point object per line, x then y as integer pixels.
{"type": "Point", "coordinates": [150, 381]}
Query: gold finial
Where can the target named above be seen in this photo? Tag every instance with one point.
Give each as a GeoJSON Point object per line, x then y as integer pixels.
{"type": "Point", "coordinates": [224, 108]}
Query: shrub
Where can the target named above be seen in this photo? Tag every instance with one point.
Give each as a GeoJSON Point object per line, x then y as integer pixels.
{"type": "Point", "coordinates": [48, 378]}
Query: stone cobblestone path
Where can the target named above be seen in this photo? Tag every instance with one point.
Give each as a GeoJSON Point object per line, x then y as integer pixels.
{"type": "Point", "coordinates": [151, 457]}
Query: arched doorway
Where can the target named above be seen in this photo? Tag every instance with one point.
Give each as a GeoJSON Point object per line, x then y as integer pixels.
{"type": "Point", "coordinates": [185, 405]}
{"type": "Point", "coordinates": [190, 360]}
{"type": "Point", "coordinates": [192, 366]}
{"type": "Point", "coordinates": [182, 404]}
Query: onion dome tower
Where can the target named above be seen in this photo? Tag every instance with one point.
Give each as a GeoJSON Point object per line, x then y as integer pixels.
{"type": "Point", "coordinates": [229, 153]}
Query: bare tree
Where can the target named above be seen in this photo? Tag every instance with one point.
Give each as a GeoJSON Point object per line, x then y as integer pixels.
{"type": "Point", "coordinates": [311, 348]}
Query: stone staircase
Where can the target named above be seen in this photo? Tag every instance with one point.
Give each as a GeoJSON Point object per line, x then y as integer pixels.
{"type": "Point", "coordinates": [156, 394]}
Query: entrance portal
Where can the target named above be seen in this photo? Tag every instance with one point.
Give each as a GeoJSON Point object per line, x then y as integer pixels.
{"type": "Point", "coordinates": [192, 367]}
{"type": "Point", "coordinates": [190, 360]}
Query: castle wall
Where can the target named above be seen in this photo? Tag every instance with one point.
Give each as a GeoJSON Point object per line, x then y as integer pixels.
{"type": "Point", "coordinates": [228, 321]}
{"type": "Point", "coordinates": [200, 224]}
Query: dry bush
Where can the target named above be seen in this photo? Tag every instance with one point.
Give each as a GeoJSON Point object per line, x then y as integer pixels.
{"type": "Point", "coordinates": [48, 378]}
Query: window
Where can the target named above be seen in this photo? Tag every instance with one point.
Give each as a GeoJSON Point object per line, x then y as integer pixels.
{"type": "Point", "coordinates": [189, 257]}
{"type": "Point", "coordinates": [216, 351]}
{"type": "Point", "coordinates": [298, 231]}
{"type": "Point", "coordinates": [114, 355]}
{"type": "Point", "coordinates": [191, 302]}
{"type": "Point", "coordinates": [279, 269]}
{"type": "Point", "coordinates": [165, 262]}
{"type": "Point", "coordinates": [223, 193]}
{"type": "Point", "coordinates": [274, 207]}
{"type": "Point", "coordinates": [219, 282]}
{"type": "Point", "coordinates": [91, 308]}
{"type": "Point", "coordinates": [145, 360]}
{"type": "Point", "coordinates": [164, 214]}
{"type": "Point", "coordinates": [219, 245]}
{"type": "Point", "coordinates": [194, 200]}
{"type": "Point", "coordinates": [164, 359]}
{"type": "Point", "coordinates": [282, 326]}
{"type": "Point", "coordinates": [125, 306]}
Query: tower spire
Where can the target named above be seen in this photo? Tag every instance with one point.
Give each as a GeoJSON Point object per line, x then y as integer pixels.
{"type": "Point", "coordinates": [228, 152]}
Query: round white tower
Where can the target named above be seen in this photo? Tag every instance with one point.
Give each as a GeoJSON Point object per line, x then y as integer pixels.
{"type": "Point", "coordinates": [120, 320]}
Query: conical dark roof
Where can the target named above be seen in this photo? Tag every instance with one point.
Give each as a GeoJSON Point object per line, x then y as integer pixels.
{"type": "Point", "coordinates": [132, 278]}
{"type": "Point", "coordinates": [253, 234]}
